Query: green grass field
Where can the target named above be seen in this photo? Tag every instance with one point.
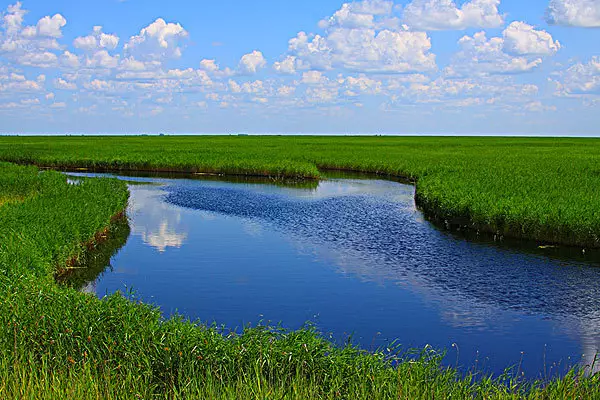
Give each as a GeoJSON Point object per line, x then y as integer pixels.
{"type": "Point", "coordinates": [547, 189]}
{"type": "Point", "coordinates": [56, 342]}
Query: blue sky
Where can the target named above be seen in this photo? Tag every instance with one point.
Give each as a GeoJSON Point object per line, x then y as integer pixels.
{"type": "Point", "coordinates": [372, 66]}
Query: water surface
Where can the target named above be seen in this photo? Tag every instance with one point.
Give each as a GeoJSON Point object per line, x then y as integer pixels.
{"type": "Point", "coordinates": [356, 257]}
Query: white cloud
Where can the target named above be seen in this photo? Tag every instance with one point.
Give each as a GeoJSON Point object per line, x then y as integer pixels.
{"type": "Point", "coordinates": [30, 45]}
{"type": "Point", "coordinates": [190, 74]}
{"type": "Point", "coordinates": [96, 41]}
{"type": "Point", "coordinates": [61, 84]}
{"type": "Point", "coordinates": [209, 65]}
{"type": "Point", "coordinates": [153, 78]}
{"type": "Point", "coordinates": [285, 91]}
{"type": "Point", "coordinates": [158, 41]}
{"type": "Point", "coordinates": [363, 84]}
{"type": "Point", "coordinates": [313, 78]}
{"type": "Point", "coordinates": [365, 50]}
{"type": "Point", "coordinates": [362, 36]}
{"type": "Point", "coordinates": [102, 59]}
{"type": "Point", "coordinates": [499, 90]}
{"type": "Point", "coordinates": [252, 62]}
{"type": "Point", "coordinates": [69, 60]}
{"type": "Point", "coordinates": [521, 38]}
{"type": "Point", "coordinates": [359, 14]}
{"type": "Point", "coordinates": [519, 50]}
{"type": "Point", "coordinates": [30, 102]}
{"type": "Point", "coordinates": [361, 50]}
{"type": "Point", "coordinates": [213, 96]}
{"type": "Point", "coordinates": [59, 105]}
{"type": "Point", "coordinates": [445, 15]}
{"type": "Point", "coordinates": [287, 66]}
{"type": "Point", "coordinates": [234, 86]}
{"type": "Point", "coordinates": [256, 87]}
{"type": "Point", "coordinates": [131, 64]}
{"type": "Point", "coordinates": [580, 13]}
{"type": "Point", "coordinates": [17, 83]}
{"type": "Point", "coordinates": [51, 26]}
{"type": "Point", "coordinates": [43, 59]}
{"type": "Point", "coordinates": [109, 87]}
{"type": "Point", "coordinates": [12, 20]}
{"type": "Point", "coordinates": [580, 79]}
{"type": "Point", "coordinates": [538, 106]}
{"type": "Point", "coordinates": [321, 94]}
{"type": "Point", "coordinates": [11, 105]}
{"type": "Point", "coordinates": [212, 68]}
{"type": "Point", "coordinates": [260, 100]}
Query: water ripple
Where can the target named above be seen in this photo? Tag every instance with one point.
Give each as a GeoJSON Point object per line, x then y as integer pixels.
{"type": "Point", "coordinates": [386, 237]}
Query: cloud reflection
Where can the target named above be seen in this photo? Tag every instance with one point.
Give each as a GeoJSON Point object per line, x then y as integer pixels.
{"type": "Point", "coordinates": [367, 232]}
{"type": "Point", "coordinates": [158, 224]}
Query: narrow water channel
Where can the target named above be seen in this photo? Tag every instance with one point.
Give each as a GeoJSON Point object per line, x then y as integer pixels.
{"type": "Point", "coordinates": [355, 257]}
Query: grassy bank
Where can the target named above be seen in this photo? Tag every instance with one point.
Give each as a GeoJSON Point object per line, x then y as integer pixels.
{"type": "Point", "coordinates": [545, 189]}
{"type": "Point", "coordinates": [56, 342]}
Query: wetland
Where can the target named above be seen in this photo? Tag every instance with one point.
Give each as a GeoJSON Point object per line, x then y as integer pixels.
{"type": "Point", "coordinates": [353, 255]}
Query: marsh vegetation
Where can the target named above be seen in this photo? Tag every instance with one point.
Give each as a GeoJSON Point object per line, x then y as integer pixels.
{"type": "Point", "coordinates": [545, 189]}
{"type": "Point", "coordinates": [56, 341]}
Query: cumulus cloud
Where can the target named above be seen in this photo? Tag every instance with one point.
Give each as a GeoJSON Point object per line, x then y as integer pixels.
{"type": "Point", "coordinates": [365, 50]}
{"type": "Point", "coordinates": [361, 36]}
{"type": "Point", "coordinates": [319, 95]}
{"type": "Point", "coordinates": [361, 14]}
{"type": "Point", "coordinates": [133, 65]}
{"type": "Point", "coordinates": [17, 83]}
{"type": "Point", "coordinates": [62, 84]}
{"type": "Point", "coordinates": [212, 68]}
{"type": "Point", "coordinates": [313, 78]}
{"type": "Point", "coordinates": [30, 45]}
{"type": "Point", "coordinates": [252, 62]}
{"type": "Point", "coordinates": [51, 26]}
{"type": "Point", "coordinates": [580, 13]}
{"type": "Point", "coordinates": [285, 91]}
{"type": "Point", "coordinates": [519, 50]}
{"type": "Point", "coordinates": [478, 54]}
{"type": "Point", "coordinates": [580, 79]}
{"type": "Point", "coordinates": [538, 106]}
{"type": "Point", "coordinates": [43, 59]}
{"type": "Point", "coordinates": [13, 18]}
{"type": "Point", "coordinates": [209, 65]}
{"type": "Point", "coordinates": [69, 60]}
{"type": "Point", "coordinates": [102, 59]}
{"type": "Point", "coordinates": [158, 41]}
{"type": "Point", "coordinates": [446, 15]}
{"type": "Point", "coordinates": [363, 84]}
{"type": "Point", "coordinates": [234, 86]}
{"type": "Point", "coordinates": [496, 91]}
{"type": "Point", "coordinates": [286, 66]}
{"type": "Point", "coordinates": [98, 40]}
{"type": "Point", "coordinates": [521, 38]}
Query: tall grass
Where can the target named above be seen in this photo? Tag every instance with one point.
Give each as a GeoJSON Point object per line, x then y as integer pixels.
{"type": "Point", "coordinates": [546, 189]}
{"type": "Point", "coordinates": [56, 342]}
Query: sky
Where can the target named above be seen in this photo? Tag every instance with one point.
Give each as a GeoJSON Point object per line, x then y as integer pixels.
{"type": "Point", "coordinates": [312, 66]}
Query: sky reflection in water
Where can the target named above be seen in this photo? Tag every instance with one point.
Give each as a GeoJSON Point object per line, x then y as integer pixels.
{"type": "Point", "coordinates": [356, 257]}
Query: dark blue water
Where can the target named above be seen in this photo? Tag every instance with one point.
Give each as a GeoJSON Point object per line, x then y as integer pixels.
{"type": "Point", "coordinates": [357, 258]}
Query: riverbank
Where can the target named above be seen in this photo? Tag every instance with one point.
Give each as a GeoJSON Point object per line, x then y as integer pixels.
{"type": "Point", "coordinates": [59, 342]}
{"type": "Point", "coordinates": [544, 189]}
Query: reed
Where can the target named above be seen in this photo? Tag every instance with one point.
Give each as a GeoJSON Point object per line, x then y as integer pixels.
{"type": "Point", "coordinates": [546, 189]}
{"type": "Point", "coordinates": [57, 342]}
